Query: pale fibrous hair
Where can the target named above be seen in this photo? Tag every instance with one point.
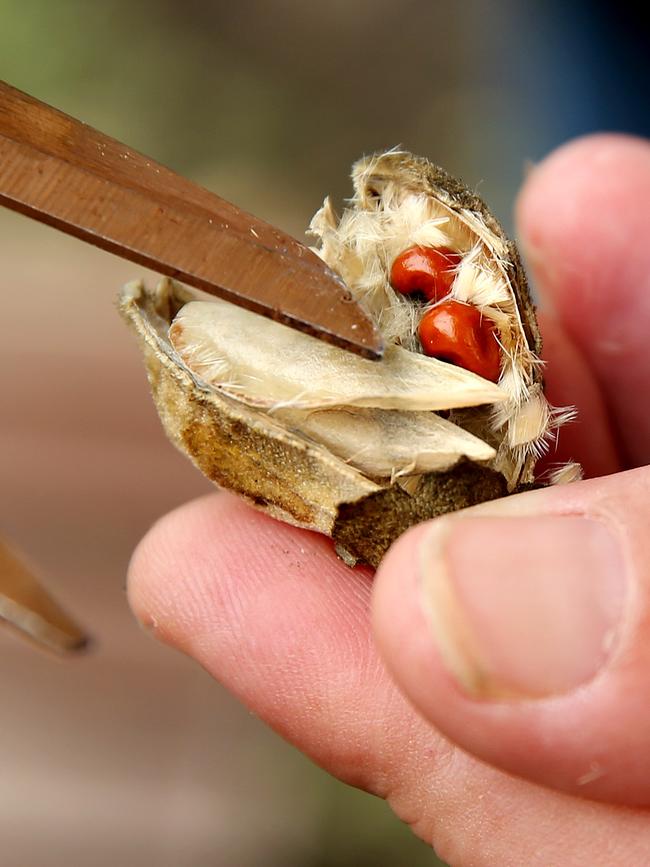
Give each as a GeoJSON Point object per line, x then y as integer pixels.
{"type": "Point", "coordinates": [397, 203]}
{"type": "Point", "coordinates": [409, 414]}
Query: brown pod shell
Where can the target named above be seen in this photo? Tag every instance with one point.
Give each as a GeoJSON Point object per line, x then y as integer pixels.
{"type": "Point", "coordinates": [244, 450]}
{"type": "Point", "coordinates": [270, 446]}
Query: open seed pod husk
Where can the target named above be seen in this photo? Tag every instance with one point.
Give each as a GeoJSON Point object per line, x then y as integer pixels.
{"type": "Point", "coordinates": [356, 449]}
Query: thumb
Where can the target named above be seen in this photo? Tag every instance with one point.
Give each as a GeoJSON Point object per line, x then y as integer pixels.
{"type": "Point", "coordinates": [521, 629]}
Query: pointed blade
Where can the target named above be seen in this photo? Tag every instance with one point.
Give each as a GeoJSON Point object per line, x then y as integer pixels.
{"type": "Point", "coordinates": [62, 172]}
{"type": "Point", "coordinates": [30, 609]}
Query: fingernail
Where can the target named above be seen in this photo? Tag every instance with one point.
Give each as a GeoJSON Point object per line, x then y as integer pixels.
{"type": "Point", "coordinates": [522, 607]}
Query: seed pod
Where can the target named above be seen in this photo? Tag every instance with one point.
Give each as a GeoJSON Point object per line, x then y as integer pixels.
{"type": "Point", "coordinates": [348, 447]}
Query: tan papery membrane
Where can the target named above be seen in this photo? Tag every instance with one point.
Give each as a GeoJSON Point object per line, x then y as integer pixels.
{"type": "Point", "coordinates": [326, 440]}
{"type": "Point", "coordinates": [266, 364]}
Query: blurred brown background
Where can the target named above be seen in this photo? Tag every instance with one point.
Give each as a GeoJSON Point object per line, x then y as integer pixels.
{"type": "Point", "coordinates": [130, 754]}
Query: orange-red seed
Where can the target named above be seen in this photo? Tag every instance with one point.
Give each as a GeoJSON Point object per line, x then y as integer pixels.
{"type": "Point", "coordinates": [456, 332]}
{"type": "Point", "coordinates": [429, 270]}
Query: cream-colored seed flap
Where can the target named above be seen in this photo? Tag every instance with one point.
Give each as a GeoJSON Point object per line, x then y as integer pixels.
{"type": "Point", "coordinates": [389, 443]}
{"type": "Point", "coordinates": [265, 364]}
{"type": "Point", "coordinates": [356, 449]}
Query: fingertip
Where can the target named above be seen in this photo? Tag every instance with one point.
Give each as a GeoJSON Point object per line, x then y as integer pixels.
{"type": "Point", "coordinates": [164, 586]}
{"type": "Point", "coordinates": [510, 627]}
{"type": "Point", "coordinates": [579, 224]}
{"type": "Point", "coordinates": [399, 625]}
{"type": "Point", "coordinates": [582, 218]}
{"type": "Point", "coordinates": [579, 219]}
{"type": "Point", "coordinates": [558, 194]}
{"type": "Point", "coordinates": [209, 573]}
{"type": "Point", "coordinates": [569, 382]}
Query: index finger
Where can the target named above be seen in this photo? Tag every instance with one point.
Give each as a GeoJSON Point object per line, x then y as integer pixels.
{"type": "Point", "coordinates": [585, 227]}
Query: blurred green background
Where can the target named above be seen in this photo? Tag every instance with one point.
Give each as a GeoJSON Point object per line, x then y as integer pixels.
{"type": "Point", "coordinates": [131, 755]}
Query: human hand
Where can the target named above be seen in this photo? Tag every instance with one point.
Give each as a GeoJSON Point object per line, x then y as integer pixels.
{"type": "Point", "coordinates": [519, 682]}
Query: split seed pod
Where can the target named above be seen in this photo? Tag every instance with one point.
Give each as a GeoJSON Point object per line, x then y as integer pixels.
{"type": "Point", "coordinates": [356, 449]}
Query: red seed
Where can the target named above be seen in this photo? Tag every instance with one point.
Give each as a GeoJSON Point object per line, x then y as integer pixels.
{"type": "Point", "coordinates": [429, 270]}
{"type": "Point", "coordinates": [459, 334]}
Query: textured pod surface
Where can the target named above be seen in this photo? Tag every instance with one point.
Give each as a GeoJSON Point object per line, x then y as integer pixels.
{"type": "Point", "coordinates": [401, 201]}
{"type": "Point", "coordinates": [354, 449]}
{"type": "Point", "coordinates": [288, 476]}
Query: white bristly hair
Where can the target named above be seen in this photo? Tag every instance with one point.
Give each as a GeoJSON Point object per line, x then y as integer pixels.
{"type": "Point", "coordinates": [361, 246]}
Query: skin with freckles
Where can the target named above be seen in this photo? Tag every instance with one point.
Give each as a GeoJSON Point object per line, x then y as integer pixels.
{"type": "Point", "coordinates": [472, 727]}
